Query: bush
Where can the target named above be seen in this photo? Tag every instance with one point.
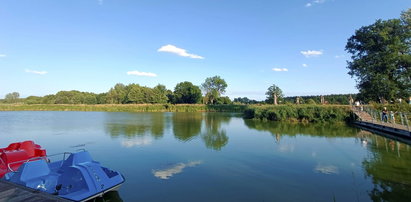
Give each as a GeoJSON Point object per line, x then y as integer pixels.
{"type": "Point", "coordinates": [303, 113]}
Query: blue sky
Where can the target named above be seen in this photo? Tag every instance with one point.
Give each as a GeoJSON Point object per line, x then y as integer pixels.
{"type": "Point", "coordinates": [90, 45]}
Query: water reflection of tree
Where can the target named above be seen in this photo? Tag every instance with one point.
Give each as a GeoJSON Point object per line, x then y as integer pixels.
{"type": "Point", "coordinates": [186, 125]}
{"type": "Point", "coordinates": [131, 125]}
{"type": "Point", "coordinates": [389, 167]}
{"type": "Point", "coordinates": [214, 136]}
{"type": "Point", "coordinates": [279, 129]}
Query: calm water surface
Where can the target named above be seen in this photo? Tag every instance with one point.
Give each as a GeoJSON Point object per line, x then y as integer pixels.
{"type": "Point", "coordinates": [222, 157]}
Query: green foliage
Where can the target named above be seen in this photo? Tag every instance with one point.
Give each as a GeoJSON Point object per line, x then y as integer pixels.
{"type": "Point", "coordinates": [12, 97]}
{"type": "Point", "coordinates": [160, 94]}
{"type": "Point", "coordinates": [117, 95]}
{"type": "Point", "coordinates": [381, 59]}
{"type": "Point", "coordinates": [75, 97]}
{"type": "Point", "coordinates": [101, 98]}
{"type": "Point", "coordinates": [213, 87]}
{"type": "Point", "coordinates": [272, 92]}
{"type": "Point", "coordinates": [125, 107]}
{"type": "Point", "coordinates": [311, 102]}
{"type": "Point", "coordinates": [223, 100]}
{"type": "Point", "coordinates": [340, 99]}
{"type": "Point", "coordinates": [186, 92]}
{"type": "Point", "coordinates": [244, 100]}
{"type": "Point", "coordinates": [304, 113]}
{"type": "Point", "coordinates": [34, 100]}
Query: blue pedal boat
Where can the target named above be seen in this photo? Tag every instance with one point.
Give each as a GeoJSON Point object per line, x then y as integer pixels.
{"type": "Point", "coordinates": [77, 178]}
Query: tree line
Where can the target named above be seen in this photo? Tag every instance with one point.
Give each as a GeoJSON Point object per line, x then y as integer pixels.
{"type": "Point", "coordinates": [184, 92]}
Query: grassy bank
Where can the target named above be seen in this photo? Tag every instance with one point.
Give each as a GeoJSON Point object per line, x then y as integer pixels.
{"type": "Point", "coordinates": [299, 113]}
{"type": "Point", "coordinates": [125, 107]}
{"type": "Point", "coordinates": [294, 113]}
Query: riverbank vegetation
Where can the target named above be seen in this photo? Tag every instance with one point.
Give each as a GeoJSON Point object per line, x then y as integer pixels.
{"type": "Point", "coordinates": [299, 113]}
{"type": "Point", "coordinates": [293, 113]}
{"type": "Point", "coordinates": [124, 107]}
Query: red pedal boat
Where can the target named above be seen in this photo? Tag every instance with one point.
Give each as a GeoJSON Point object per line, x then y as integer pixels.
{"type": "Point", "coordinates": [17, 153]}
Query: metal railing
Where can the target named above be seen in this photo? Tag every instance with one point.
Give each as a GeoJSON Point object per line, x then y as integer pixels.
{"type": "Point", "coordinates": [395, 119]}
{"type": "Point", "coordinates": [46, 158]}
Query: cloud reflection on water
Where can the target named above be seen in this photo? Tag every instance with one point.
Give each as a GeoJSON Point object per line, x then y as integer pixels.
{"type": "Point", "coordinates": [138, 141]}
{"type": "Point", "coordinates": [326, 169]}
{"type": "Point", "coordinates": [165, 174]}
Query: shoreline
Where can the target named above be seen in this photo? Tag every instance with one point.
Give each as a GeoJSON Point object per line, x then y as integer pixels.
{"type": "Point", "coordinates": [289, 113]}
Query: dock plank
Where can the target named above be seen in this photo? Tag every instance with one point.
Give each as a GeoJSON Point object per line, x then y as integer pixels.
{"type": "Point", "coordinates": [17, 193]}
{"type": "Point", "coordinates": [367, 122]}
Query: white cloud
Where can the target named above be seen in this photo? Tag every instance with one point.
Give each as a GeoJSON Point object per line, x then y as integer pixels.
{"type": "Point", "coordinates": [339, 56]}
{"type": "Point", "coordinates": [178, 168]}
{"type": "Point", "coordinates": [286, 148]}
{"type": "Point", "coordinates": [312, 53]}
{"type": "Point", "coordinates": [304, 65]}
{"type": "Point", "coordinates": [137, 73]}
{"type": "Point", "coordinates": [280, 69]}
{"type": "Point", "coordinates": [314, 2]}
{"type": "Point", "coordinates": [36, 72]}
{"type": "Point", "coordinates": [179, 51]}
{"type": "Point", "coordinates": [2, 55]}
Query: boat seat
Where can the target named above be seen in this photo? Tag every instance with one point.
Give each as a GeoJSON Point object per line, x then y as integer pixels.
{"type": "Point", "coordinates": [29, 147]}
{"type": "Point", "coordinates": [33, 170]}
{"type": "Point", "coordinates": [14, 156]}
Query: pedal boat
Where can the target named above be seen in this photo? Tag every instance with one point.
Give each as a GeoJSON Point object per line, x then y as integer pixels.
{"type": "Point", "coordinates": [13, 156]}
{"type": "Point", "coordinates": [77, 178]}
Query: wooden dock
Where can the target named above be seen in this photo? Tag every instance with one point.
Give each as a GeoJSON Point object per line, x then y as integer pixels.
{"type": "Point", "coordinates": [367, 122]}
{"type": "Point", "coordinates": [11, 192]}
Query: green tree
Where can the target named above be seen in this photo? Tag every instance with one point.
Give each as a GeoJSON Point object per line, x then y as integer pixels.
{"type": "Point", "coordinates": [274, 93]}
{"type": "Point", "coordinates": [186, 92]}
{"type": "Point", "coordinates": [381, 59]}
{"type": "Point", "coordinates": [101, 98]}
{"type": "Point", "coordinates": [117, 94]}
{"type": "Point", "coordinates": [33, 100]}
{"type": "Point", "coordinates": [223, 100]}
{"type": "Point", "coordinates": [160, 93]}
{"type": "Point", "coordinates": [213, 87]}
{"type": "Point", "coordinates": [12, 97]}
{"type": "Point", "coordinates": [311, 101]}
{"type": "Point", "coordinates": [135, 94]}
{"type": "Point", "coordinates": [49, 99]}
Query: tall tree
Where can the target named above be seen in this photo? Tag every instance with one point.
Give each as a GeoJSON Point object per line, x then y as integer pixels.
{"type": "Point", "coordinates": [274, 93]}
{"type": "Point", "coordinates": [117, 95]}
{"type": "Point", "coordinates": [160, 93]}
{"type": "Point", "coordinates": [12, 97]}
{"type": "Point", "coordinates": [186, 92]}
{"type": "Point", "coordinates": [213, 87]}
{"type": "Point", "coordinates": [381, 59]}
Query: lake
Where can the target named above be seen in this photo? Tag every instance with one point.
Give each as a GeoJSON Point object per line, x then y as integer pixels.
{"type": "Point", "coordinates": [222, 157]}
